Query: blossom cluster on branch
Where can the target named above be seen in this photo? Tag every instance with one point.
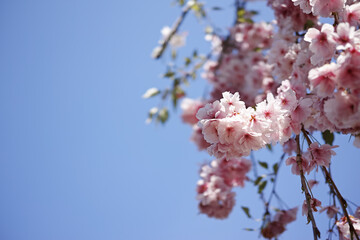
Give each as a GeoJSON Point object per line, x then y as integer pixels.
{"type": "Point", "coordinates": [272, 83]}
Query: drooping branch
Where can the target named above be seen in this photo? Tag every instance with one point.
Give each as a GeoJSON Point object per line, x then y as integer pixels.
{"type": "Point", "coordinates": [335, 189]}
{"type": "Point", "coordinates": [173, 31]}
{"type": "Point", "coordinates": [304, 187]}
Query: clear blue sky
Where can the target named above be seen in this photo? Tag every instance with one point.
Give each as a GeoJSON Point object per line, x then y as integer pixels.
{"type": "Point", "coordinates": [76, 158]}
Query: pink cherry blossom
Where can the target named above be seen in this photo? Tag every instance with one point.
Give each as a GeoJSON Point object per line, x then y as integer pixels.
{"type": "Point", "coordinates": [304, 5]}
{"type": "Point", "coordinates": [345, 36]}
{"type": "Point", "coordinates": [189, 109]}
{"type": "Point", "coordinates": [322, 43]}
{"type": "Point", "coordinates": [312, 183]}
{"type": "Point", "coordinates": [324, 8]}
{"type": "Point", "coordinates": [323, 79]}
{"type": "Point", "coordinates": [321, 155]}
{"type": "Point", "coordinates": [286, 216]}
{"type": "Point", "coordinates": [351, 14]}
{"type": "Point", "coordinates": [344, 228]}
{"type": "Point", "coordinates": [216, 198]}
{"type": "Point", "coordinates": [314, 204]}
{"type": "Point", "coordinates": [330, 211]}
{"type": "Point", "coordinates": [295, 169]}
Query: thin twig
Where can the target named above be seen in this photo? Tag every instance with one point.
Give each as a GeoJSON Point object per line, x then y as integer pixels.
{"type": "Point", "coordinates": [174, 29]}
{"type": "Point", "coordinates": [304, 187]}
{"type": "Point", "coordinates": [334, 189]}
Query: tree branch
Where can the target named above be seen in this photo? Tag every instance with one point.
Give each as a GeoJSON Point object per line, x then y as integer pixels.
{"type": "Point", "coordinates": [304, 187]}
{"type": "Point", "coordinates": [173, 31]}
{"type": "Point", "coordinates": [334, 189]}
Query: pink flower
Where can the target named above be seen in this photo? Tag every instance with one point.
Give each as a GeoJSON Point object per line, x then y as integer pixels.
{"type": "Point", "coordinates": [344, 228]}
{"type": "Point", "coordinates": [304, 5]}
{"type": "Point", "coordinates": [322, 43]}
{"type": "Point", "coordinates": [234, 170]}
{"type": "Point", "coordinates": [345, 36]}
{"type": "Point", "coordinates": [351, 14]}
{"type": "Point", "coordinates": [321, 155]}
{"type": "Point", "coordinates": [295, 169]}
{"type": "Point", "coordinates": [314, 204]}
{"type": "Point", "coordinates": [190, 107]}
{"type": "Point", "coordinates": [272, 229]}
{"type": "Point", "coordinates": [357, 212]}
{"type": "Point", "coordinates": [349, 71]}
{"type": "Point", "coordinates": [277, 226]}
{"type": "Point", "coordinates": [323, 79]}
{"type": "Point", "coordinates": [216, 198]}
{"type": "Point", "coordinates": [343, 110]}
{"type": "Point", "coordinates": [357, 142]}
{"type": "Point", "coordinates": [198, 138]}
{"type": "Point", "coordinates": [312, 183]}
{"type": "Point", "coordinates": [302, 110]}
{"type": "Point", "coordinates": [324, 8]}
{"type": "Point", "coordinates": [210, 131]}
{"type": "Point", "coordinates": [330, 210]}
{"type": "Point", "coordinates": [290, 146]}
{"type": "Point", "coordinates": [286, 217]}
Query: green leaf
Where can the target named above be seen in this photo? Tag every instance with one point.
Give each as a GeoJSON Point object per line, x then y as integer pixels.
{"type": "Point", "coordinates": [169, 74]}
{"type": "Point", "coordinates": [209, 30]}
{"type": "Point", "coordinates": [246, 211]}
{"type": "Point", "coordinates": [187, 61]}
{"type": "Point", "coordinates": [163, 115]}
{"type": "Point", "coordinates": [328, 137]}
{"type": "Point", "coordinates": [176, 94]}
{"type": "Point", "coordinates": [276, 168]}
{"type": "Point", "coordinates": [249, 229]}
{"type": "Point", "coordinates": [263, 164]}
{"type": "Point", "coordinates": [151, 92]}
{"type": "Point", "coordinates": [269, 146]}
{"type": "Point", "coordinates": [253, 12]}
{"type": "Point", "coordinates": [173, 54]}
{"type": "Point", "coordinates": [308, 24]}
{"type": "Point", "coordinates": [257, 181]}
{"type": "Point", "coordinates": [262, 186]}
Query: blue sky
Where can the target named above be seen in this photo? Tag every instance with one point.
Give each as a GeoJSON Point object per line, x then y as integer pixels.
{"type": "Point", "coordinates": [77, 160]}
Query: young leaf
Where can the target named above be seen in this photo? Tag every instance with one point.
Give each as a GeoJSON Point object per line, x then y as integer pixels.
{"type": "Point", "coordinates": [246, 211]}
{"type": "Point", "coordinates": [163, 115]}
{"type": "Point", "coordinates": [262, 186]}
{"type": "Point", "coordinates": [263, 164]}
{"type": "Point", "coordinates": [151, 92]}
{"type": "Point", "coordinates": [249, 229]}
{"type": "Point", "coordinates": [276, 168]}
{"type": "Point", "coordinates": [187, 61]}
{"type": "Point", "coordinates": [169, 74]}
{"type": "Point", "coordinates": [328, 137]}
{"type": "Point", "coordinates": [257, 181]}
{"type": "Point", "coordinates": [269, 146]}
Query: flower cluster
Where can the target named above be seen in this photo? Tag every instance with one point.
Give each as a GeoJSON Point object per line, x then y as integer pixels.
{"type": "Point", "coordinates": [344, 228]}
{"type": "Point", "coordinates": [270, 82]}
{"type": "Point", "coordinates": [234, 130]}
{"type": "Point", "coordinates": [218, 179]}
{"type": "Point", "coordinates": [278, 225]}
{"type": "Point", "coordinates": [314, 157]}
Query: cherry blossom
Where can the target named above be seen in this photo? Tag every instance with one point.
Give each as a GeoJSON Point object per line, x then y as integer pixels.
{"type": "Point", "coordinates": [322, 43]}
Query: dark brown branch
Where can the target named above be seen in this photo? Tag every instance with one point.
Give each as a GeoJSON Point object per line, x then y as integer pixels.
{"type": "Point", "coordinates": [304, 187]}
{"type": "Point", "coordinates": [174, 29]}
{"type": "Point", "coordinates": [334, 189]}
